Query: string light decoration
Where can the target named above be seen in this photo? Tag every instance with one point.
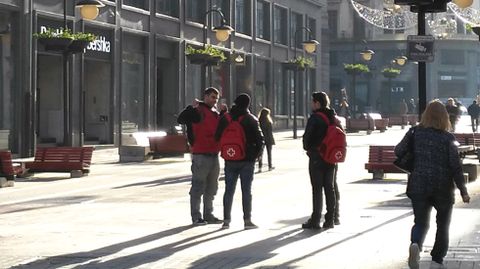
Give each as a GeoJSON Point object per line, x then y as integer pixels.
{"type": "Point", "coordinates": [390, 16]}
{"type": "Point", "coordinates": [442, 26]}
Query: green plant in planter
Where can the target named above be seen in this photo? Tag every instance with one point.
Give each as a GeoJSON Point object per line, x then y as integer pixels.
{"type": "Point", "coordinates": [53, 33]}
{"type": "Point", "coordinates": [357, 68]}
{"type": "Point", "coordinates": [302, 62]}
{"type": "Point", "coordinates": [468, 27]}
{"type": "Point", "coordinates": [391, 72]}
{"type": "Point", "coordinates": [208, 50]}
{"type": "Point", "coordinates": [84, 36]}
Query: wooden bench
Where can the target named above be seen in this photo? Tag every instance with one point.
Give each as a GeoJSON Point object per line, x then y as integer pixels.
{"type": "Point", "coordinates": [355, 125]}
{"type": "Point", "coordinates": [379, 122]}
{"type": "Point", "coordinates": [380, 161]}
{"type": "Point", "coordinates": [412, 119]}
{"type": "Point", "coordinates": [75, 160]}
{"type": "Point", "coordinates": [168, 145]}
{"type": "Point", "coordinates": [468, 139]}
{"type": "Point", "coordinates": [401, 120]}
{"type": "Point", "coordinates": [9, 169]}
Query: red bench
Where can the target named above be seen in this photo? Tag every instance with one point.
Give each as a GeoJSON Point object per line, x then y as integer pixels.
{"type": "Point", "coordinates": [75, 160]}
{"type": "Point", "coordinates": [9, 169]}
{"type": "Point", "coordinates": [380, 161]}
{"type": "Point", "coordinates": [355, 125]}
{"type": "Point", "coordinates": [468, 139]}
{"type": "Point", "coordinates": [401, 120]}
{"type": "Point", "coordinates": [168, 145]}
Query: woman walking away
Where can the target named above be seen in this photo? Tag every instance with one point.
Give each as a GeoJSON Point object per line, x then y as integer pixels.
{"type": "Point", "coordinates": [266, 122]}
{"type": "Point", "coordinates": [436, 170]}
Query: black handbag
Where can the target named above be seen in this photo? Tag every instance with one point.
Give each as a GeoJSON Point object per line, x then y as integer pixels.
{"type": "Point", "coordinates": [405, 161]}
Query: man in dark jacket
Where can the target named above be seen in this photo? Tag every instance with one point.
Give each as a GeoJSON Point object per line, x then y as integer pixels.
{"type": "Point", "coordinates": [321, 172]}
{"type": "Point", "coordinates": [201, 119]}
{"type": "Point", "coordinates": [474, 112]}
{"type": "Point", "coordinates": [243, 168]}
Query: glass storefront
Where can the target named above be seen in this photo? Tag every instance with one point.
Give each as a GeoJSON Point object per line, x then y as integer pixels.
{"type": "Point", "coordinates": [133, 85]}
{"type": "Point", "coordinates": [8, 84]}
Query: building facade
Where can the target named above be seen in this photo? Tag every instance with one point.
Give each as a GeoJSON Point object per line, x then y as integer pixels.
{"type": "Point", "coordinates": [135, 76]}
{"type": "Point", "coordinates": [453, 72]}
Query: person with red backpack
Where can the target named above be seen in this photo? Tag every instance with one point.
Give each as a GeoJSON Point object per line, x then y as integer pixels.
{"type": "Point", "coordinates": [321, 128]}
{"type": "Point", "coordinates": [201, 119]}
{"type": "Point", "coordinates": [241, 142]}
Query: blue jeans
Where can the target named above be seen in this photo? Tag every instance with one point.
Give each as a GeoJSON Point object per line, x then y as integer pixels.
{"type": "Point", "coordinates": [422, 206]}
{"type": "Point", "coordinates": [232, 171]}
{"type": "Point", "coordinates": [205, 171]}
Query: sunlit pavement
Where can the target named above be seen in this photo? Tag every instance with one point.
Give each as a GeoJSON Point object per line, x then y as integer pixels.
{"type": "Point", "coordinates": [136, 215]}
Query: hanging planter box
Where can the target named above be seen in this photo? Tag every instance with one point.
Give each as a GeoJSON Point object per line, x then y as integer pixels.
{"type": "Point", "coordinates": [390, 75]}
{"type": "Point", "coordinates": [293, 66]}
{"type": "Point", "coordinates": [353, 71]}
{"type": "Point", "coordinates": [55, 43]}
{"type": "Point", "coordinates": [78, 46]}
{"type": "Point", "coordinates": [203, 59]}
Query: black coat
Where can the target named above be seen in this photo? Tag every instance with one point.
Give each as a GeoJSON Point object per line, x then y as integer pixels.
{"type": "Point", "coordinates": [315, 132]}
{"type": "Point", "coordinates": [253, 134]}
{"type": "Point", "coordinates": [267, 131]}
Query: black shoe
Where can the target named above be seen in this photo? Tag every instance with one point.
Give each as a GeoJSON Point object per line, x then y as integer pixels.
{"type": "Point", "coordinates": [328, 225]}
{"type": "Point", "coordinates": [213, 220]}
{"type": "Point", "coordinates": [310, 225]}
{"type": "Point", "coordinates": [336, 222]}
{"type": "Point", "coordinates": [199, 222]}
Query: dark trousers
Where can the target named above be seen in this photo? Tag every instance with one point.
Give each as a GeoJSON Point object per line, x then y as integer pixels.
{"type": "Point", "coordinates": [337, 195]}
{"type": "Point", "coordinates": [474, 121]}
{"type": "Point", "coordinates": [321, 178]}
{"type": "Point", "coordinates": [269, 155]}
{"type": "Point", "coordinates": [422, 206]}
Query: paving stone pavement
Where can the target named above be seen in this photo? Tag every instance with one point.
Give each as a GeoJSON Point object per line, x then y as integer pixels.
{"type": "Point", "coordinates": [136, 215]}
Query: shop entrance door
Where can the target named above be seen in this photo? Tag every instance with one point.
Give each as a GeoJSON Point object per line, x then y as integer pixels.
{"type": "Point", "coordinates": [49, 106]}
{"type": "Point", "coordinates": [167, 94]}
{"type": "Point", "coordinates": [97, 126]}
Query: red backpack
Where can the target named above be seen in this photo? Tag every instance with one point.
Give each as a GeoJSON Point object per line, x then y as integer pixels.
{"type": "Point", "coordinates": [333, 148]}
{"type": "Point", "coordinates": [233, 141]}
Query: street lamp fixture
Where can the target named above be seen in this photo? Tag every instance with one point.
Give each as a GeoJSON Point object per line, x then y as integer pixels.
{"type": "Point", "coordinates": [309, 46]}
{"type": "Point", "coordinates": [463, 3]}
{"type": "Point", "coordinates": [367, 54]}
{"type": "Point", "coordinates": [89, 8]}
{"type": "Point", "coordinates": [222, 32]}
{"type": "Point", "coordinates": [401, 60]}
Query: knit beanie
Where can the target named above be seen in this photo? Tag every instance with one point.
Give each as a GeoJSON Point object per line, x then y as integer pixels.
{"type": "Point", "coordinates": [242, 101]}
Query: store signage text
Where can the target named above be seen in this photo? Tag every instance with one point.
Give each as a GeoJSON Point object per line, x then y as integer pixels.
{"type": "Point", "coordinates": [100, 44]}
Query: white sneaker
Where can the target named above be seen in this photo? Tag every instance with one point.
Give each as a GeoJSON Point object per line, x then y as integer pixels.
{"type": "Point", "coordinates": [436, 265]}
{"type": "Point", "coordinates": [414, 256]}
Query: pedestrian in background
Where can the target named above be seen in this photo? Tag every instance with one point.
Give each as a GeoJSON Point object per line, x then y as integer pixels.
{"type": "Point", "coordinates": [453, 113]}
{"type": "Point", "coordinates": [474, 112]}
{"type": "Point", "coordinates": [201, 119]}
{"type": "Point", "coordinates": [244, 168]}
{"type": "Point", "coordinates": [437, 169]}
{"type": "Point", "coordinates": [321, 172]}
{"type": "Point", "coordinates": [266, 124]}
{"type": "Point", "coordinates": [344, 109]}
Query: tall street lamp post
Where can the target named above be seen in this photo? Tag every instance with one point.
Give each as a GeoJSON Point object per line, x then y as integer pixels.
{"type": "Point", "coordinates": [366, 56]}
{"type": "Point", "coordinates": [89, 11]}
{"type": "Point", "coordinates": [309, 46]}
{"type": "Point", "coordinates": [222, 33]}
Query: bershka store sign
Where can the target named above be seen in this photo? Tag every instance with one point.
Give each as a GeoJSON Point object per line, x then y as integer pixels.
{"type": "Point", "coordinates": [101, 44]}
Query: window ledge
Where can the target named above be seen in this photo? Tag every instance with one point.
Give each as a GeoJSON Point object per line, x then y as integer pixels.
{"type": "Point", "coordinates": [136, 9]}
{"type": "Point", "coordinates": [166, 17]}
